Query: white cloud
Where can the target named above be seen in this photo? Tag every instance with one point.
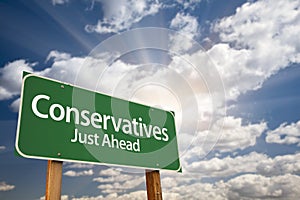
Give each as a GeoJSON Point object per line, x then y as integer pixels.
{"type": "Point", "coordinates": [286, 164]}
{"type": "Point", "coordinates": [251, 163]}
{"type": "Point", "coordinates": [88, 198]}
{"type": "Point", "coordinates": [227, 135]}
{"type": "Point", "coordinates": [136, 195]}
{"type": "Point", "coordinates": [227, 166]}
{"type": "Point", "coordinates": [251, 186]}
{"type": "Point", "coordinates": [84, 71]}
{"type": "Point", "coordinates": [188, 28]}
{"type": "Point", "coordinates": [15, 105]}
{"type": "Point", "coordinates": [113, 181]}
{"type": "Point", "coordinates": [109, 172]}
{"type": "Point", "coordinates": [247, 186]}
{"type": "Point", "coordinates": [59, 2]}
{"type": "Point", "coordinates": [270, 172]}
{"type": "Point", "coordinates": [58, 56]}
{"type": "Point", "coordinates": [2, 148]}
{"type": "Point", "coordinates": [6, 187]}
{"type": "Point", "coordinates": [185, 24]}
{"type": "Point", "coordinates": [120, 15]}
{"type": "Point", "coordinates": [71, 165]}
{"type": "Point", "coordinates": [11, 78]}
{"type": "Point", "coordinates": [73, 173]}
{"type": "Point", "coordinates": [285, 134]}
{"type": "Point", "coordinates": [259, 39]}
{"type": "Point", "coordinates": [234, 135]}
{"type": "Point", "coordinates": [188, 3]}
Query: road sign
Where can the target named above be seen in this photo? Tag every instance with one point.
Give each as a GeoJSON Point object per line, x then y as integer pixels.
{"type": "Point", "coordinates": [58, 121]}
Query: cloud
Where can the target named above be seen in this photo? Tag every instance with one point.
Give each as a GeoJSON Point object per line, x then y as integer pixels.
{"type": "Point", "coordinates": [68, 165]}
{"type": "Point", "coordinates": [58, 56]}
{"type": "Point", "coordinates": [188, 4]}
{"type": "Point", "coordinates": [252, 163]}
{"type": "Point", "coordinates": [227, 166]}
{"type": "Point", "coordinates": [286, 164]}
{"type": "Point", "coordinates": [72, 173]}
{"type": "Point", "coordinates": [251, 186]}
{"type": "Point", "coordinates": [11, 78]}
{"type": "Point", "coordinates": [109, 172]}
{"type": "Point", "coordinates": [114, 181]}
{"type": "Point", "coordinates": [6, 187]}
{"type": "Point", "coordinates": [247, 186]}
{"type": "Point", "coordinates": [64, 68]}
{"type": "Point", "coordinates": [14, 106]}
{"type": "Point", "coordinates": [136, 195]}
{"type": "Point", "coordinates": [226, 135]}
{"type": "Point", "coordinates": [185, 24]}
{"type": "Point", "coordinates": [188, 28]}
{"type": "Point", "coordinates": [2, 148]}
{"type": "Point", "coordinates": [120, 15]}
{"type": "Point", "coordinates": [59, 2]}
{"type": "Point", "coordinates": [256, 42]}
{"type": "Point", "coordinates": [235, 135]}
{"type": "Point", "coordinates": [285, 134]}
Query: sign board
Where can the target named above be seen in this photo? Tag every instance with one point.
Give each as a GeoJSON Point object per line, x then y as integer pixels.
{"type": "Point", "coordinates": [58, 121]}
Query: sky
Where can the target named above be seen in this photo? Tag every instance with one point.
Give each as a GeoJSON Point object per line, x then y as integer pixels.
{"type": "Point", "coordinates": [229, 69]}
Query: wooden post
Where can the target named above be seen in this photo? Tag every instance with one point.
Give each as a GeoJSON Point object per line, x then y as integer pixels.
{"type": "Point", "coordinates": [153, 185]}
{"type": "Point", "coordinates": [53, 180]}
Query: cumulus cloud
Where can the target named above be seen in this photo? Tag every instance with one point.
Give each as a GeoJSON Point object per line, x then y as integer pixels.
{"type": "Point", "coordinates": [188, 29]}
{"type": "Point", "coordinates": [73, 173]}
{"type": "Point", "coordinates": [64, 68]}
{"type": "Point", "coordinates": [285, 134]}
{"type": "Point", "coordinates": [286, 164]}
{"type": "Point", "coordinates": [2, 148]}
{"type": "Point", "coordinates": [120, 15]}
{"type": "Point", "coordinates": [186, 24]}
{"type": "Point", "coordinates": [58, 56]}
{"type": "Point", "coordinates": [251, 163]}
{"type": "Point", "coordinates": [11, 78]}
{"type": "Point", "coordinates": [136, 195]}
{"type": "Point", "coordinates": [6, 187]}
{"type": "Point", "coordinates": [69, 165]}
{"type": "Point", "coordinates": [226, 135]}
{"type": "Point", "coordinates": [251, 186]}
{"type": "Point", "coordinates": [257, 41]}
{"type": "Point", "coordinates": [247, 186]}
{"type": "Point", "coordinates": [115, 182]}
{"type": "Point", "coordinates": [188, 3]}
{"type": "Point", "coordinates": [109, 172]}
{"type": "Point", "coordinates": [228, 166]}
{"type": "Point", "coordinates": [59, 2]}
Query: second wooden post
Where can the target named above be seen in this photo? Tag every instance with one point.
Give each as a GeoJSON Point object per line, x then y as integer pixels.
{"type": "Point", "coordinates": [153, 185]}
{"type": "Point", "coordinates": [53, 181]}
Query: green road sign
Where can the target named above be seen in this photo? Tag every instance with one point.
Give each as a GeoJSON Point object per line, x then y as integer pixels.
{"type": "Point", "coordinates": [58, 121]}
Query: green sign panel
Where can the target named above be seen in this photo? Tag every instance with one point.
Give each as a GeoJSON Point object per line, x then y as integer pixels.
{"type": "Point", "coordinates": [59, 121]}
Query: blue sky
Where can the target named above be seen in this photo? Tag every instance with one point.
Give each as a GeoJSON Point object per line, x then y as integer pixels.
{"type": "Point", "coordinates": [236, 98]}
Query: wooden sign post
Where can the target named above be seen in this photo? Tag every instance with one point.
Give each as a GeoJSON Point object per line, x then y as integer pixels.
{"type": "Point", "coordinates": [153, 185]}
{"type": "Point", "coordinates": [53, 180]}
